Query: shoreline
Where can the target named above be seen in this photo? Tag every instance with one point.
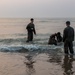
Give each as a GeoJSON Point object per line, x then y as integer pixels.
{"type": "Point", "coordinates": [33, 63]}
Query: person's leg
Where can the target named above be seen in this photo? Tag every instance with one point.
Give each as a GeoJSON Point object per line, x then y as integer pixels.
{"type": "Point", "coordinates": [31, 36]}
{"type": "Point", "coordinates": [66, 47]}
{"type": "Point", "coordinates": [71, 47]}
{"type": "Point", "coordinates": [28, 38]}
{"type": "Point", "coordinates": [55, 42]}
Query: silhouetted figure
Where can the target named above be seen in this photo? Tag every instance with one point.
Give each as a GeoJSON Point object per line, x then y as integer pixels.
{"type": "Point", "coordinates": [68, 65]}
{"type": "Point", "coordinates": [31, 29]}
{"type": "Point", "coordinates": [59, 37]}
{"type": "Point", "coordinates": [68, 38]}
{"type": "Point", "coordinates": [52, 40]}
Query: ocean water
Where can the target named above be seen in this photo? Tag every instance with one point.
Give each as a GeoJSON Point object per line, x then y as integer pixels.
{"type": "Point", "coordinates": [34, 58]}
{"type": "Point", "coordinates": [13, 33]}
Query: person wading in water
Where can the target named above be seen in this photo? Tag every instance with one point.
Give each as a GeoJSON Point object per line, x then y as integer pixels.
{"type": "Point", "coordinates": [30, 29]}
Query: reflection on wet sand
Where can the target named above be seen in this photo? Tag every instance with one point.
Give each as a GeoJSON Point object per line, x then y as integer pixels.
{"type": "Point", "coordinates": [30, 70]}
{"type": "Point", "coordinates": [50, 63]}
{"type": "Point", "coordinates": [68, 64]}
{"type": "Point", "coordinates": [55, 57]}
{"type": "Point", "coordinates": [37, 63]}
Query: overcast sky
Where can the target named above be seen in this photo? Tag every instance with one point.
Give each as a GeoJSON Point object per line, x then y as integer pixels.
{"type": "Point", "coordinates": [37, 8]}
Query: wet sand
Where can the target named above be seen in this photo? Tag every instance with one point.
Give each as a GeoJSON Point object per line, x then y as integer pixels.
{"type": "Point", "coordinates": [36, 63]}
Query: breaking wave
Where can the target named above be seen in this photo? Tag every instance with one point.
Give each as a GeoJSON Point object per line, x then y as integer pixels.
{"type": "Point", "coordinates": [27, 48]}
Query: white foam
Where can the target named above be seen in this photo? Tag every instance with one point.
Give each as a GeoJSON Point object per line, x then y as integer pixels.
{"type": "Point", "coordinates": [30, 47]}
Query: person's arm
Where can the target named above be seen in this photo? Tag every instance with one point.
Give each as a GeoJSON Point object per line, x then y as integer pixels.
{"type": "Point", "coordinates": [73, 34]}
{"type": "Point", "coordinates": [27, 26]}
{"type": "Point", "coordinates": [34, 30]}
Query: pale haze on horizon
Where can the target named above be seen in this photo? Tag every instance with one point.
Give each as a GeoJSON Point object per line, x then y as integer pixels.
{"type": "Point", "coordinates": [37, 8]}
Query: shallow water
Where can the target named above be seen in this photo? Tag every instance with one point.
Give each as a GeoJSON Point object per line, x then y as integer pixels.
{"type": "Point", "coordinates": [13, 34]}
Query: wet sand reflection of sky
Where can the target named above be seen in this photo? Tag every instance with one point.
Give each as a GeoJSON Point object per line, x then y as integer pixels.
{"type": "Point", "coordinates": [65, 62]}
{"type": "Point", "coordinates": [68, 65]}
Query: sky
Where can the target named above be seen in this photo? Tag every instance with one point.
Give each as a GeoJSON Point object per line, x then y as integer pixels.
{"type": "Point", "coordinates": [37, 8]}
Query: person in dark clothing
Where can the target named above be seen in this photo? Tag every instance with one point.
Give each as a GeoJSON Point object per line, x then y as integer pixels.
{"type": "Point", "coordinates": [68, 38]}
{"type": "Point", "coordinates": [59, 37]}
{"type": "Point", "coordinates": [52, 40]}
{"type": "Point", "coordinates": [30, 29]}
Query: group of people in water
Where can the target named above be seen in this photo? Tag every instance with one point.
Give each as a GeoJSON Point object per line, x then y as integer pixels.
{"type": "Point", "coordinates": [68, 36]}
{"type": "Point", "coordinates": [55, 38]}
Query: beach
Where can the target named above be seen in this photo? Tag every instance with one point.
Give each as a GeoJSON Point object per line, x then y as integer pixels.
{"type": "Point", "coordinates": [44, 64]}
{"type": "Point", "coordinates": [35, 58]}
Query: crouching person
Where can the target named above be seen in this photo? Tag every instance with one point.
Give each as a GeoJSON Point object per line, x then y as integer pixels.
{"type": "Point", "coordinates": [52, 40]}
{"type": "Point", "coordinates": [59, 37]}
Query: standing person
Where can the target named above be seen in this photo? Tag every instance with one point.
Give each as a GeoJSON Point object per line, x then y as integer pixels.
{"type": "Point", "coordinates": [30, 29]}
{"type": "Point", "coordinates": [68, 38]}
